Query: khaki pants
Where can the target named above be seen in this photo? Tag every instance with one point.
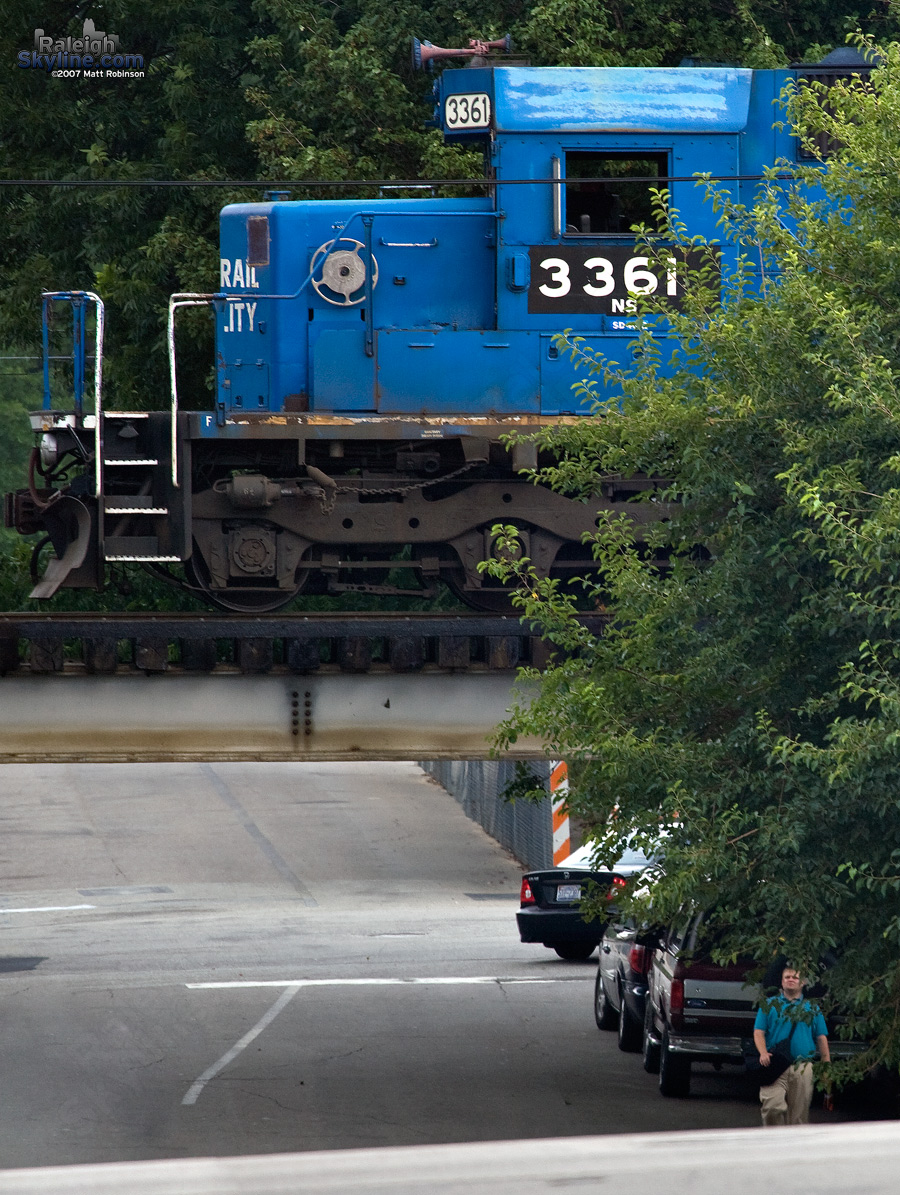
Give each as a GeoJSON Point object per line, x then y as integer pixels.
{"type": "Point", "coordinates": [787, 1100]}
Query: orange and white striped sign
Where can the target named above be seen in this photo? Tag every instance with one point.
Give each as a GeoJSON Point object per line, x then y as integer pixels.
{"type": "Point", "coordinates": [559, 791]}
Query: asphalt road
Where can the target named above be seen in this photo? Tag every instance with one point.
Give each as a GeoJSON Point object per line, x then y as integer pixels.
{"type": "Point", "coordinates": [200, 960]}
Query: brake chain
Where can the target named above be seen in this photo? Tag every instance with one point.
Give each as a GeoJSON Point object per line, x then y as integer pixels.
{"type": "Point", "coordinates": [328, 501]}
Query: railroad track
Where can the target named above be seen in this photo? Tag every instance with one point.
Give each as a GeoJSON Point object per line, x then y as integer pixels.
{"type": "Point", "coordinates": [103, 644]}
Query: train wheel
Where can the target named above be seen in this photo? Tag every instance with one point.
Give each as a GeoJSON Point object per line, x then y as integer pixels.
{"type": "Point", "coordinates": [238, 601]}
{"type": "Point", "coordinates": [564, 563]}
{"type": "Point", "coordinates": [494, 601]}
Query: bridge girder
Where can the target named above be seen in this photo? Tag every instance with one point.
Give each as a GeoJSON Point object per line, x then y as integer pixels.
{"type": "Point", "coordinates": [333, 716]}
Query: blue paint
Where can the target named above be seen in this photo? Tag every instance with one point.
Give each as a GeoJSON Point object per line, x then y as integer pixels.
{"type": "Point", "coordinates": [373, 354]}
{"type": "Point", "coordinates": [458, 279]}
{"type": "Point", "coordinates": [621, 99]}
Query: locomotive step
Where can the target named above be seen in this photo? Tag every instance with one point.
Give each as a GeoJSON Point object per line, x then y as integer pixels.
{"type": "Point", "coordinates": [117, 546]}
{"type": "Point", "coordinates": [144, 461]}
{"type": "Point", "coordinates": [118, 501]}
{"type": "Point", "coordinates": [136, 510]}
{"type": "Point", "coordinates": [132, 504]}
{"type": "Point", "coordinates": [142, 559]}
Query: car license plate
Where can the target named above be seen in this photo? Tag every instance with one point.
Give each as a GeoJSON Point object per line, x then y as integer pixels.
{"type": "Point", "coordinates": [568, 892]}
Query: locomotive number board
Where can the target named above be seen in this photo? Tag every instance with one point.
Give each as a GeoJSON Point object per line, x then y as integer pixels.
{"type": "Point", "coordinates": [469, 111]}
{"type": "Point", "coordinates": [606, 279]}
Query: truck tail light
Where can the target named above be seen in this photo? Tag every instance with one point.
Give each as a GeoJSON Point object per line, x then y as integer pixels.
{"type": "Point", "coordinates": [526, 896]}
{"type": "Point", "coordinates": [617, 884]}
{"type": "Point", "coordinates": [676, 1000]}
{"type": "Point", "coordinates": [639, 959]}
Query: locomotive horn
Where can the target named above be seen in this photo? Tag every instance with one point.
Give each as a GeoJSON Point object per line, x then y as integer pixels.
{"type": "Point", "coordinates": [424, 53]}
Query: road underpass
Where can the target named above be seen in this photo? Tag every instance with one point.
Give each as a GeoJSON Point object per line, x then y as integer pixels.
{"type": "Point", "coordinates": [203, 960]}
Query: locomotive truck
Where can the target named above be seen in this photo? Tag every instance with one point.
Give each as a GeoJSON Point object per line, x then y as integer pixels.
{"type": "Point", "coordinates": [373, 355]}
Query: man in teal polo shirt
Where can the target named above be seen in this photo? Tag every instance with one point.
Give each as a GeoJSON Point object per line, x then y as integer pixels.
{"type": "Point", "coordinates": [787, 1099]}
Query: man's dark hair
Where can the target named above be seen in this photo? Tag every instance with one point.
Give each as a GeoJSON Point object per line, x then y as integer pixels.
{"type": "Point", "coordinates": [772, 978]}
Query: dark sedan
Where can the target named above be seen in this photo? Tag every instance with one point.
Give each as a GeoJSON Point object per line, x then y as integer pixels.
{"type": "Point", "coordinates": [550, 902]}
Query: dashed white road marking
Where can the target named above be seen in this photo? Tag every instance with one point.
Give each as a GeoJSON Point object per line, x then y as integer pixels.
{"type": "Point", "coordinates": [50, 909]}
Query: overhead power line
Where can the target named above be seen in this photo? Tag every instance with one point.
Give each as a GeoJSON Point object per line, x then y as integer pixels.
{"type": "Point", "coordinates": [412, 184]}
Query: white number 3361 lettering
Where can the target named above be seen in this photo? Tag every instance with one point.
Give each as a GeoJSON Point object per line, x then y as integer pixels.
{"type": "Point", "coordinates": [468, 111]}
{"type": "Point", "coordinates": [560, 284]}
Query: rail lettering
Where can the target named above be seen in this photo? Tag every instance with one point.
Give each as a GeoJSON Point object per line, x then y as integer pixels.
{"type": "Point", "coordinates": [237, 274]}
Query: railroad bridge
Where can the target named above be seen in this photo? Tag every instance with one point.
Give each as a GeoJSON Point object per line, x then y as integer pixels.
{"type": "Point", "coordinates": [169, 687]}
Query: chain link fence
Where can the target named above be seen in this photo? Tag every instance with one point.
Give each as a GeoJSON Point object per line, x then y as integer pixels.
{"type": "Point", "coordinates": [521, 826]}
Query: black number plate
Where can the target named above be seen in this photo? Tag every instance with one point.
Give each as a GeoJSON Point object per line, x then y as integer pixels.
{"type": "Point", "coordinates": [604, 280]}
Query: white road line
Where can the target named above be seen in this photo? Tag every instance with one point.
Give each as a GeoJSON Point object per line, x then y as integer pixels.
{"type": "Point", "coordinates": [282, 1002]}
{"type": "Point", "coordinates": [293, 986]}
{"type": "Point", "coordinates": [329, 983]}
{"type": "Point", "coordinates": [50, 909]}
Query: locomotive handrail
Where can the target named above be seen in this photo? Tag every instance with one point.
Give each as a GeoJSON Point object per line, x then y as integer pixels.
{"type": "Point", "coordinates": [557, 196]}
{"type": "Point", "coordinates": [186, 299]}
{"type": "Point", "coordinates": [79, 358]}
{"type": "Point", "coordinates": [432, 244]}
{"type": "Point", "coordinates": [369, 288]}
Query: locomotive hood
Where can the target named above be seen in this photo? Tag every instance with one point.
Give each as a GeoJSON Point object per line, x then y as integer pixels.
{"type": "Point", "coordinates": [613, 99]}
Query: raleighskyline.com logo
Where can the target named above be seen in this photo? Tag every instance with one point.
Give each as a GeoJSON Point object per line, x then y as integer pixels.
{"type": "Point", "coordinates": [94, 55]}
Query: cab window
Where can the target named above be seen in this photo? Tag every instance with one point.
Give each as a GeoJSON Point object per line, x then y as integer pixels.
{"type": "Point", "coordinates": [258, 240]}
{"type": "Point", "coordinates": [614, 191]}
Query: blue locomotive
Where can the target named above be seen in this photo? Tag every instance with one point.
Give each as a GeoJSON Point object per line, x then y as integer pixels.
{"type": "Point", "coordinates": [372, 355]}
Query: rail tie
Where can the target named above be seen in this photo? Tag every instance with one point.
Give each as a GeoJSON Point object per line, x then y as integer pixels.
{"type": "Point", "coordinates": [299, 644]}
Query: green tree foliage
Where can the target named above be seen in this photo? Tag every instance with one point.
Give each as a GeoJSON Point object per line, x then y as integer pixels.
{"type": "Point", "coordinates": [743, 704]}
{"type": "Point", "coordinates": [184, 120]}
{"type": "Point", "coordinates": [20, 389]}
{"type": "Point", "coordinates": [337, 98]}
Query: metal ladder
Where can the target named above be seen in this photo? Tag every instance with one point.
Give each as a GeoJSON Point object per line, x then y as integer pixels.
{"type": "Point", "coordinates": [135, 461]}
{"type": "Point", "coordinates": [134, 526]}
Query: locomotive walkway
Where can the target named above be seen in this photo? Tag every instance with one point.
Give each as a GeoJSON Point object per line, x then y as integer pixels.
{"type": "Point", "coordinates": [148, 687]}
